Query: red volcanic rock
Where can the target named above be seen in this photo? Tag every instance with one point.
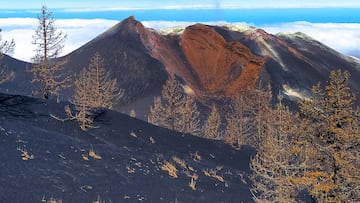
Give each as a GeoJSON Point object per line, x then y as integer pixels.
{"type": "Point", "coordinates": [222, 68]}
{"type": "Point", "coordinates": [165, 49]}
{"type": "Point", "coordinates": [211, 66]}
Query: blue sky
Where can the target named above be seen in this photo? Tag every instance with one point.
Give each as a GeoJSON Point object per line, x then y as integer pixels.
{"type": "Point", "coordinates": [151, 4]}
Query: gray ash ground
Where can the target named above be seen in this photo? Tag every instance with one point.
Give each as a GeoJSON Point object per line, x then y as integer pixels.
{"type": "Point", "coordinates": [41, 157]}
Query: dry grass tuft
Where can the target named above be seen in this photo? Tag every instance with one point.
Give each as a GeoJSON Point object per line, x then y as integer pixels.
{"type": "Point", "coordinates": [170, 168]}
{"type": "Point", "coordinates": [196, 156]}
{"type": "Point", "coordinates": [130, 170]}
{"type": "Point", "coordinates": [93, 154]}
{"type": "Point", "coordinates": [25, 154]}
{"type": "Point", "coordinates": [213, 173]}
{"type": "Point", "coordinates": [192, 183]}
{"type": "Point", "coordinates": [98, 200]}
{"type": "Point", "coordinates": [179, 161]}
{"type": "Point", "coordinates": [86, 158]}
{"type": "Point", "coordinates": [51, 200]}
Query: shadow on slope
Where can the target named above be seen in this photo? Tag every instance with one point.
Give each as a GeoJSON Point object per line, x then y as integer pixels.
{"type": "Point", "coordinates": [42, 157]}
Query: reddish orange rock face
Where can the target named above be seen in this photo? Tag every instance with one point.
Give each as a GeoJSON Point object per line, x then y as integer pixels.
{"type": "Point", "coordinates": [209, 65]}
{"type": "Point", "coordinates": [222, 68]}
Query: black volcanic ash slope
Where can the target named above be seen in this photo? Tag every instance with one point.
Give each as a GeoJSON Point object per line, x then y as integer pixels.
{"type": "Point", "coordinates": [21, 83]}
{"type": "Point", "coordinates": [42, 157]}
{"type": "Point", "coordinates": [295, 60]}
{"type": "Point", "coordinates": [126, 57]}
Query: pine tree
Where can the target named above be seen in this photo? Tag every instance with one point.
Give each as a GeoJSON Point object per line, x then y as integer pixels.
{"type": "Point", "coordinates": [94, 93]}
{"type": "Point", "coordinates": [261, 107]}
{"type": "Point", "coordinates": [6, 47]}
{"type": "Point", "coordinates": [190, 117]}
{"type": "Point", "coordinates": [81, 101]}
{"type": "Point", "coordinates": [105, 91]}
{"type": "Point", "coordinates": [166, 109]}
{"type": "Point", "coordinates": [276, 162]}
{"type": "Point", "coordinates": [236, 124]}
{"type": "Point", "coordinates": [330, 121]}
{"type": "Point", "coordinates": [157, 113]}
{"type": "Point", "coordinates": [47, 69]}
{"type": "Point", "coordinates": [175, 110]}
{"type": "Point", "coordinates": [212, 124]}
{"type": "Point", "coordinates": [246, 120]}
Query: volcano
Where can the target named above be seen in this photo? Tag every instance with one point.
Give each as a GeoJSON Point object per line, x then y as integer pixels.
{"type": "Point", "coordinates": [126, 159]}
{"type": "Point", "coordinates": [214, 62]}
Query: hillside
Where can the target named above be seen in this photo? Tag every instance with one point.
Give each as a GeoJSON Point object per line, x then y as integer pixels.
{"type": "Point", "coordinates": [42, 157]}
{"type": "Point", "coordinates": [213, 62]}
{"type": "Point", "coordinates": [125, 159]}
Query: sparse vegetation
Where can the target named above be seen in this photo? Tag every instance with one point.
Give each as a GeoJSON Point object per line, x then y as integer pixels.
{"type": "Point", "coordinates": [274, 164]}
{"type": "Point", "coordinates": [213, 173]}
{"type": "Point", "coordinates": [6, 47]}
{"type": "Point", "coordinates": [51, 200]}
{"type": "Point", "coordinates": [25, 155]}
{"type": "Point", "coordinates": [98, 200]}
{"type": "Point", "coordinates": [175, 110]}
{"type": "Point", "coordinates": [196, 156]}
{"type": "Point", "coordinates": [192, 183]}
{"type": "Point", "coordinates": [331, 138]}
{"type": "Point", "coordinates": [94, 155]}
{"type": "Point", "coordinates": [170, 168]}
{"type": "Point", "coordinates": [180, 162]}
{"type": "Point", "coordinates": [237, 125]}
{"type": "Point", "coordinates": [212, 124]}
{"type": "Point", "coordinates": [317, 150]}
{"type": "Point", "coordinates": [48, 70]}
{"type": "Point", "coordinates": [94, 93]}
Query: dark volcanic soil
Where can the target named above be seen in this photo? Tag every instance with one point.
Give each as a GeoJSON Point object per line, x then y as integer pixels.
{"type": "Point", "coordinates": [42, 158]}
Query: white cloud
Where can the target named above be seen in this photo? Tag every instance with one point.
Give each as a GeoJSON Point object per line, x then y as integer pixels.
{"type": "Point", "coordinates": [340, 36]}
{"type": "Point", "coordinates": [79, 31]}
{"type": "Point", "coordinates": [343, 37]}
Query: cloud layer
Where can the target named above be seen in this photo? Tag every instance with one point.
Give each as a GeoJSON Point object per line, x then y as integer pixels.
{"type": "Point", "coordinates": [344, 37]}
{"type": "Point", "coordinates": [78, 32]}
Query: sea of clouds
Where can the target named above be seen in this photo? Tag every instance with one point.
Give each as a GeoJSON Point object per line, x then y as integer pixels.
{"type": "Point", "coordinates": [343, 37]}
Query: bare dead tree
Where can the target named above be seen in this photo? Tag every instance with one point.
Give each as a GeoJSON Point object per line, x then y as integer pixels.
{"type": "Point", "coordinates": [47, 70]}
{"type": "Point", "coordinates": [331, 125]}
{"type": "Point", "coordinates": [175, 110]}
{"type": "Point", "coordinates": [276, 162]}
{"type": "Point", "coordinates": [212, 124]}
{"type": "Point", "coordinates": [238, 122]}
{"type": "Point", "coordinates": [95, 92]}
{"type": "Point", "coordinates": [81, 101]}
{"type": "Point", "coordinates": [6, 47]}
{"type": "Point", "coordinates": [105, 91]}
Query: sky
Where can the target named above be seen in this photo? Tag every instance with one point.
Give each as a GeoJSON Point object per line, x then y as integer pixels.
{"type": "Point", "coordinates": [178, 4]}
{"type": "Point", "coordinates": [334, 23]}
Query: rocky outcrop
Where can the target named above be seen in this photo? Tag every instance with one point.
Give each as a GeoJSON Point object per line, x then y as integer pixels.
{"type": "Point", "coordinates": [209, 65]}
{"type": "Point", "coordinates": [222, 68]}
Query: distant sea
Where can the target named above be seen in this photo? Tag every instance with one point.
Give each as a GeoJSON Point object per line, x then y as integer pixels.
{"type": "Point", "coordinates": [252, 16]}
